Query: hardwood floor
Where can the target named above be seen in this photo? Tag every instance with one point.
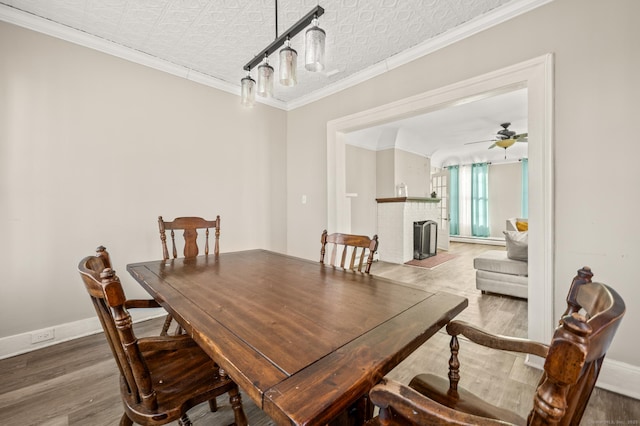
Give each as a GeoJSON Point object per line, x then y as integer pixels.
{"type": "Point", "coordinates": [76, 383]}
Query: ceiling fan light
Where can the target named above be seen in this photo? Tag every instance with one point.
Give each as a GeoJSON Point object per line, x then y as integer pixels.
{"type": "Point", "coordinates": [265, 80]}
{"type": "Point", "coordinates": [288, 65]}
{"type": "Point", "coordinates": [248, 92]}
{"type": "Point", "coordinates": [505, 143]}
{"type": "Point", "coordinates": [314, 48]}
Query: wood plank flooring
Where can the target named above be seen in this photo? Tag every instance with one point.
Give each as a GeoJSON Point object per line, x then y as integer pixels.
{"type": "Point", "coordinates": [76, 382]}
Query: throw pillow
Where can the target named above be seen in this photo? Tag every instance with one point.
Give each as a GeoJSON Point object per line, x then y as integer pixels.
{"type": "Point", "coordinates": [522, 226]}
{"type": "Point", "coordinates": [517, 245]}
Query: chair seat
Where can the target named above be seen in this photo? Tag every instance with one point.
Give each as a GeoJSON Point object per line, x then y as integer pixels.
{"type": "Point", "coordinates": [437, 388]}
{"type": "Point", "coordinates": [177, 376]}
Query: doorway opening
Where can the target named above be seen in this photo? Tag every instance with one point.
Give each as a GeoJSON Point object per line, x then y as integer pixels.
{"type": "Point", "coordinates": [536, 75]}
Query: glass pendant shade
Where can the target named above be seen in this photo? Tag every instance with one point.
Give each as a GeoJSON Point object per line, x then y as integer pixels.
{"type": "Point", "coordinates": [248, 91]}
{"type": "Point", "coordinates": [288, 65]}
{"type": "Point", "coordinates": [265, 80]}
{"type": "Point", "coordinates": [314, 48]}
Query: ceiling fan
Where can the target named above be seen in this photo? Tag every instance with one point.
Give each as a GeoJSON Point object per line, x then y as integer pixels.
{"type": "Point", "coordinates": [504, 138]}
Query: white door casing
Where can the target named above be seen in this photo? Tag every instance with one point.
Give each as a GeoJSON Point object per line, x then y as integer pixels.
{"type": "Point", "coordinates": [440, 185]}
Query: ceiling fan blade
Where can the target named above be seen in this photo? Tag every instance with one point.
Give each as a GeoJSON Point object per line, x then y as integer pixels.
{"type": "Point", "coordinates": [471, 143]}
{"type": "Point", "coordinates": [521, 136]}
{"type": "Point", "coordinates": [492, 146]}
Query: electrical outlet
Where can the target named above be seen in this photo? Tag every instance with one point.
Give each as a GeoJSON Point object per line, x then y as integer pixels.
{"type": "Point", "coordinates": [42, 335]}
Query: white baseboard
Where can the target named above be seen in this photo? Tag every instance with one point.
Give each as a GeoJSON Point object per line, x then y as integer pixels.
{"type": "Point", "coordinates": [615, 376]}
{"type": "Point", "coordinates": [21, 343]}
{"type": "Point", "coordinates": [620, 377]}
{"type": "Point", "coordinates": [478, 240]}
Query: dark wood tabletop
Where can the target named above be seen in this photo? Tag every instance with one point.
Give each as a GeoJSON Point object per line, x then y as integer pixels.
{"type": "Point", "coordinates": [304, 341]}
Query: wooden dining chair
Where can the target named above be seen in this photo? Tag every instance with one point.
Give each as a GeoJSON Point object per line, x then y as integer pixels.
{"type": "Point", "coordinates": [190, 227]}
{"type": "Point", "coordinates": [572, 363]}
{"type": "Point", "coordinates": [361, 247]}
{"type": "Point", "coordinates": [161, 377]}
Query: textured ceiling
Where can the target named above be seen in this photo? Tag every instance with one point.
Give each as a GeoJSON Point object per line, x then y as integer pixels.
{"type": "Point", "coordinates": [217, 38]}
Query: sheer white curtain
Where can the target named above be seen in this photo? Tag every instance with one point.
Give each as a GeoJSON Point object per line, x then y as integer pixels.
{"type": "Point", "coordinates": [464, 182]}
{"type": "Point", "coordinates": [480, 200]}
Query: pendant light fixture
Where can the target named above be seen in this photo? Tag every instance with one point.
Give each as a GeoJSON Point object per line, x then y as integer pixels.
{"type": "Point", "coordinates": [247, 91]}
{"type": "Point", "coordinates": [265, 79]}
{"type": "Point", "coordinates": [287, 72]}
{"type": "Point", "coordinates": [314, 47]}
{"type": "Point", "coordinates": [288, 65]}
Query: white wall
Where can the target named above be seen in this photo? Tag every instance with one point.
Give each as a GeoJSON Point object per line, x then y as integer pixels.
{"type": "Point", "coordinates": [375, 174]}
{"type": "Point", "coordinates": [385, 173]}
{"type": "Point", "coordinates": [597, 64]}
{"type": "Point", "coordinates": [505, 195]}
{"type": "Point", "coordinates": [361, 180]}
{"type": "Point", "coordinates": [396, 166]}
{"type": "Point", "coordinates": [94, 148]}
{"type": "Point", "coordinates": [414, 171]}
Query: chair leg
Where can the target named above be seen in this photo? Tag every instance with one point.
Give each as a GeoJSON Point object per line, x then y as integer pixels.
{"type": "Point", "coordinates": [362, 410]}
{"type": "Point", "coordinates": [184, 420]}
{"type": "Point", "coordinates": [454, 365]}
{"type": "Point", "coordinates": [213, 405]}
{"type": "Point", "coordinates": [165, 326]}
{"type": "Point", "coordinates": [125, 420]}
{"type": "Point", "coordinates": [236, 403]}
{"type": "Point", "coordinates": [368, 408]}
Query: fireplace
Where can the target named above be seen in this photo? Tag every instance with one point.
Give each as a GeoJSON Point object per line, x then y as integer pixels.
{"type": "Point", "coordinates": [395, 225]}
{"type": "Point", "coordinates": [425, 239]}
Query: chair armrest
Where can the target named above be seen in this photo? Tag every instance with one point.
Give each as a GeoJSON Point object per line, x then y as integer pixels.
{"type": "Point", "coordinates": [407, 404]}
{"type": "Point", "coordinates": [138, 303]}
{"type": "Point", "coordinates": [165, 343]}
{"type": "Point", "coordinates": [495, 341]}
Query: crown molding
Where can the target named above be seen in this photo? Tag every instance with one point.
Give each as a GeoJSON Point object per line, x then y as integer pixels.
{"type": "Point", "coordinates": [53, 29]}
{"type": "Point", "coordinates": [493, 18]}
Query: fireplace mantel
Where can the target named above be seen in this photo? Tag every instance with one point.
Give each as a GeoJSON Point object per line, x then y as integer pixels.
{"type": "Point", "coordinates": [408, 199]}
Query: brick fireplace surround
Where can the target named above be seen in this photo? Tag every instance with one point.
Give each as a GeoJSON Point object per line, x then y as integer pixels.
{"type": "Point", "coordinates": [395, 225]}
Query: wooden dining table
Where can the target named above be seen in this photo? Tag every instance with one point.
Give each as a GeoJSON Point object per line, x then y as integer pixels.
{"type": "Point", "coordinates": [303, 340]}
